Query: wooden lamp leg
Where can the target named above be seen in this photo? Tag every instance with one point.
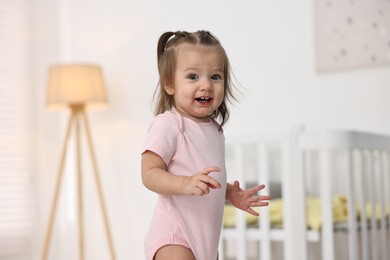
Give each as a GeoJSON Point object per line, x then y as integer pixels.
{"type": "Point", "coordinates": [98, 186]}
{"type": "Point", "coordinates": [79, 185]}
{"type": "Point", "coordinates": [77, 112]}
{"type": "Point", "coordinates": [57, 190]}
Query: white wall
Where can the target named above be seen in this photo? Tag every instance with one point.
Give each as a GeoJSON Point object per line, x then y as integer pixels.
{"type": "Point", "coordinates": [271, 49]}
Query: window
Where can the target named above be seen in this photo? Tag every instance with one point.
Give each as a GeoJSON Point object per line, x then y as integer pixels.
{"type": "Point", "coordinates": [17, 200]}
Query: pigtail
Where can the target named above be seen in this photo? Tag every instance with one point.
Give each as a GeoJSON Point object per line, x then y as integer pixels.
{"type": "Point", "coordinates": [162, 42]}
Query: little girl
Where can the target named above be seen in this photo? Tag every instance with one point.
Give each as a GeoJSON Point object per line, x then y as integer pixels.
{"type": "Point", "coordinates": [183, 158]}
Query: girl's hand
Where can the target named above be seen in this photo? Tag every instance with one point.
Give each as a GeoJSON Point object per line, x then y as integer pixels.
{"type": "Point", "coordinates": [200, 183]}
{"type": "Point", "coordinates": [246, 199]}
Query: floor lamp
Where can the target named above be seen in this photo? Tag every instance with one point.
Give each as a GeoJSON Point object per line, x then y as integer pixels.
{"type": "Point", "coordinates": [76, 86]}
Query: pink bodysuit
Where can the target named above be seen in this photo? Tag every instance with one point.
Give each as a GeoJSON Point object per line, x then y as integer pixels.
{"type": "Point", "coordinates": [191, 221]}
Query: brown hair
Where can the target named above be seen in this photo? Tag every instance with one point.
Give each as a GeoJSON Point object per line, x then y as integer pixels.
{"type": "Point", "coordinates": [168, 44]}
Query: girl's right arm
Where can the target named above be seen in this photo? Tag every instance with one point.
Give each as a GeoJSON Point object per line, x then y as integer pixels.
{"type": "Point", "coordinates": [156, 178]}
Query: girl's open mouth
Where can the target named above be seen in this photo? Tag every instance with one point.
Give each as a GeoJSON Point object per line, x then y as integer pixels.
{"type": "Point", "coordinates": [203, 99]}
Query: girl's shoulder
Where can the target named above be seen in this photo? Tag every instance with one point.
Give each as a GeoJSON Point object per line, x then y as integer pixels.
{"type": "Point", "coordinates": [169, 120]}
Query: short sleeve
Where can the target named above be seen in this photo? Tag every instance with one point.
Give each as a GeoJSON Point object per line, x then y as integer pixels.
{"type": "Point", "coordinates": [162, 137]}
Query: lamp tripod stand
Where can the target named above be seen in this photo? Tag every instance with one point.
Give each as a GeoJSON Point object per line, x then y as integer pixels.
{"type": "Point", "coordinates": [77, 117]}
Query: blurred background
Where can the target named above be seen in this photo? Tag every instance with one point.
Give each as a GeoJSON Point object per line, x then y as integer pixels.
{"type": "Point", "coordinates": [295, 62]}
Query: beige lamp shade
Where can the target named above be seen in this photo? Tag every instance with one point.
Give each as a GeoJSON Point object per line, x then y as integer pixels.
{"type": "Point", "coordinates": [75, 84]}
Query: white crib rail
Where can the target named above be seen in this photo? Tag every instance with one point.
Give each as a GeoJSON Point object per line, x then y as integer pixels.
{"type": "Point", "coordinates": [367, 181]}
{"type": "Point", "coordinates": [371, 149]}
{"type": "Point", "coordinates": [294, 234]}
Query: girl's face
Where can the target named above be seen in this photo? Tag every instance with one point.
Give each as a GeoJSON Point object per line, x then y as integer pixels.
{"type": "Point", "coordinates": [198, 87]}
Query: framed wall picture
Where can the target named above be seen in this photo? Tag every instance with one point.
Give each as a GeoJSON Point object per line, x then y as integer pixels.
{"type": "Point", "coordinates": [351, 33]}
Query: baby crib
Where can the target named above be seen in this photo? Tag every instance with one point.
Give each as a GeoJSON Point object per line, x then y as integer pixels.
{"type": "Point", "coordinates": [323, 166]}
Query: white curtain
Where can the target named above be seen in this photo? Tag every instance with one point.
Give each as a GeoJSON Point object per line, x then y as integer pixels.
{"type": "Point", "coordinates": [17, 194]}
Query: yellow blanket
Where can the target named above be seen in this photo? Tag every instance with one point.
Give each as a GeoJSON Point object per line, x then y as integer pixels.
{"type": "Point", "coordinates": [313, 212]}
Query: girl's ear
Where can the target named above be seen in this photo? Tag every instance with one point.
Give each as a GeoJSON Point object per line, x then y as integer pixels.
{"type": "Point", "coordinates": [169, 89]}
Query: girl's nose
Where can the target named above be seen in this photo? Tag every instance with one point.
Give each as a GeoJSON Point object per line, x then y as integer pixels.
{"type": "Point", "coordinates": [206, 85]}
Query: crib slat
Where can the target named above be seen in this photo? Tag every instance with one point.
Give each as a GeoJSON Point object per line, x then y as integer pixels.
{"type": "Point", "coordinates": [387, 199]}
{"type": "Point", "coordinates": [382, 207]}
{"type": "Point", "coordinates": [327, 212]}
{"type": "Point", "coordinates": [352, 225]}
{"type": "Point", "coordinates": [241, 223]}
{"type": "Point", "coordinates": [264, 227]}
{"type": "Point", "coordinates": [293, 188]}
{"type": "Point", "coordinates": [363, 202]}
{"type": "Point", "coordinates": [374, 242]}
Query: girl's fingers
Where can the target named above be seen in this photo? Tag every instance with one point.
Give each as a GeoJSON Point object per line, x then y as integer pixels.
{"type": "Point", "coordinates": [251, 211]}
{"type": "Point", "coordinates": [202, 191]}
{"type": "Point", "coordinates": [201, 183]}
{"type": "Point", "coordinates": [209, 170]}
{"type": "Point", "coordinates": [203, 188]}
{"type": "Point", "coordinates": [259, 201]}
{"type": "Point", "coordinates": [259, 204]}
{"type": "Point", "coordinates": [259, 198]}
{"type": "Point", "coordinates": [257, 188]}
{"type": "Point", "coordinates": [210, 182]}
{"type": "Point", "coordinates": [211, 186]}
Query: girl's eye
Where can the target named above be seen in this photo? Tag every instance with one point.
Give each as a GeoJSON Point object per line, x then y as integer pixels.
{"type": "Point", "coordinates": [216, 77]}
{"type": "Point", "coordinates": [193, 76]}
